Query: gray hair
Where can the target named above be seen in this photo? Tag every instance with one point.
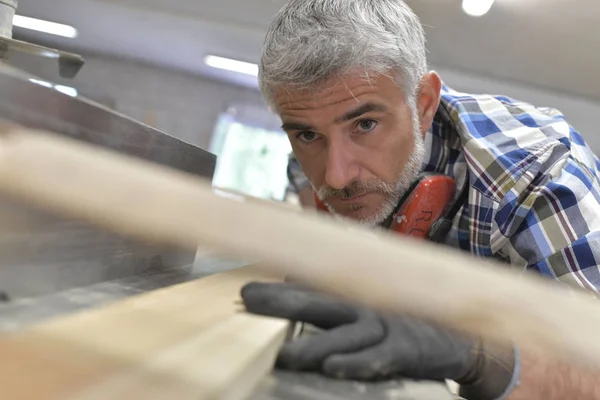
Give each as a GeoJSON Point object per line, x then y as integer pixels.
{"type": "Point", "coordinates": [311, 41]}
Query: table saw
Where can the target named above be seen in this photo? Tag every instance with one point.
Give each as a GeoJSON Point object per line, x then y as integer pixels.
{"type": "Point", "coordinates": [52, 266]}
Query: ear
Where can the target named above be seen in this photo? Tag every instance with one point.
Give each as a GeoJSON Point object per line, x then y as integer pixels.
{"type": "Point", "coordinates": [428, 99]}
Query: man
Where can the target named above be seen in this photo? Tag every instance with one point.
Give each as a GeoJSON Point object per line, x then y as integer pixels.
{"type": "Point", "coordinates": [349, 80]}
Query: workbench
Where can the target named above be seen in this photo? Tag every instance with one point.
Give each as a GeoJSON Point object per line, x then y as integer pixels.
{"type": "Point", "coordinates": [280, 385]}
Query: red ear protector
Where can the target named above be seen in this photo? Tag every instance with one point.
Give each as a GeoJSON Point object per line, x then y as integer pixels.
{"type": "Point", "coordinates": [426, 210]}
{"type": "Point", "coordinates": [319, 203]}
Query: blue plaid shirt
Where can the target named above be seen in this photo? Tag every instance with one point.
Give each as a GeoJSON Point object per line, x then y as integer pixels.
{"type": "Point", "coordinates": [534, 185]}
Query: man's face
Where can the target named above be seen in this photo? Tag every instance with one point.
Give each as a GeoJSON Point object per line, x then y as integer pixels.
{"type": "Point", "coordinates": [359, 143]}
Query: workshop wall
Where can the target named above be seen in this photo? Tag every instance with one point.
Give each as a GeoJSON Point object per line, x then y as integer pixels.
{"type": "Point", "coordinates": [188, 106]}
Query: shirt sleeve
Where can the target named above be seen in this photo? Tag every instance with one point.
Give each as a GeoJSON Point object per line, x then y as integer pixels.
{"type": "Point", "coordinates": [550, 221]}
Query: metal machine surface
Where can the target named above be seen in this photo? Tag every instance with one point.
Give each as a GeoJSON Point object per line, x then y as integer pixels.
{"type": "Point", "coordinates": [42, 254]}
{"type": "Point", "coordinates": [69, 64]}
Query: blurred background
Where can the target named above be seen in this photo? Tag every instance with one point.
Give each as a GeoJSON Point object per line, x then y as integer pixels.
{"type": "Point", "coordinates": [188, 67]}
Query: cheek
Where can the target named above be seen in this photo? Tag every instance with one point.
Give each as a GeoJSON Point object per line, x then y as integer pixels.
{"type": "Point", "coordinates": [390, 151]}
{"type": "Point", "coordinates": [313, 164]}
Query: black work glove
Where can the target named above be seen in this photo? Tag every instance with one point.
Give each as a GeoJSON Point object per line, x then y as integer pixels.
{"type": "Point", "coordinates": [359, 344]}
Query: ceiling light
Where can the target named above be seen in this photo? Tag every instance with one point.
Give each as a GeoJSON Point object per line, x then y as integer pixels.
{"type": "Point", "coordinates": [232, 65]}
{"type": "Point", "coordinates": [44, 26]}
{"type": "Point", "coordinates": [477, 8]}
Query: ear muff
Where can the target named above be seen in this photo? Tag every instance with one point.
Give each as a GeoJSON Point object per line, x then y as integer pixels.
{"type": "Point", "coordinates": [319, 204]}
{"type": "Point", "coordinates": [424, 204]}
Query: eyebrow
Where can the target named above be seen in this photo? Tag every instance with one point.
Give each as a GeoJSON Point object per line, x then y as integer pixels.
{"type": "Point", "coordinates": [360, 110]}
{"type": "Point", "coordinates": [350, 115]}
{"type": "Point", "coordinates": [294, 126]}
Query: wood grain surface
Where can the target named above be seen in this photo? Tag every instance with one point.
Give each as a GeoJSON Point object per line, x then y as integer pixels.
{"type": "Point", "coordinates": [189, 341]}
{"type": "Point", "coordinates": [382, 270]}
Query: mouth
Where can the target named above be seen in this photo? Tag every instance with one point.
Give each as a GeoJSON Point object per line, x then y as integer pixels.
{"type": "Point", "coordinates": [354, 198]}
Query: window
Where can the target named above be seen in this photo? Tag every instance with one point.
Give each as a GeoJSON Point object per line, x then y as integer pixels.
{"type": "Point", "coordinates": [251, 157]}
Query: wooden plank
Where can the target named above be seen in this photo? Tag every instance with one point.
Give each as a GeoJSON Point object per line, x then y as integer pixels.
{"type": "Point", "coordinates": [189, 341]}
{"type": "Point", "coordinates": [381, 270]}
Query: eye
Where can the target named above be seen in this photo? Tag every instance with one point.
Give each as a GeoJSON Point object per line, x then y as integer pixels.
{"type": "Point", "coordinates": [307, 136]}
{"type": "Point", "coordinates": [366, 125]}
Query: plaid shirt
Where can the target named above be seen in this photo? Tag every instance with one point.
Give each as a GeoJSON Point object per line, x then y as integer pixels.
{"type": "Point", "coordinates": [534, 185]}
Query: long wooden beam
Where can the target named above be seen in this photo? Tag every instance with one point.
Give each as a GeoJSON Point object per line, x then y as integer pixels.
{"type": "Point", "coordinates": [150, 202]}
{"type": "Point", "coordinates": [187, 342]}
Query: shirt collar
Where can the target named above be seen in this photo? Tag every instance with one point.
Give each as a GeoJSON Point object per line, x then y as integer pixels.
{"type": "Point", "coordinates": [441, 140]}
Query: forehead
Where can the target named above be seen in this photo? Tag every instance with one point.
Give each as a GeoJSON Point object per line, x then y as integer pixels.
{"type": "Point", "coordinates": [348, 89]}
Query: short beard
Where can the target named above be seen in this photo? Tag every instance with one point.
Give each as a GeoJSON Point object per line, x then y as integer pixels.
{"type": "Point", "coordinates": [392, 192]}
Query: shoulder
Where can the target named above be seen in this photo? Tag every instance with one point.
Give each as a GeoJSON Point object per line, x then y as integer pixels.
{"type": "Point", "coordinates": [506, 141]}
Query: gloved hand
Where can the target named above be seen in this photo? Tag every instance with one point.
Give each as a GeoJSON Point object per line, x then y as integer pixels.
{"type": "Point", "coordinates": [359, 344]}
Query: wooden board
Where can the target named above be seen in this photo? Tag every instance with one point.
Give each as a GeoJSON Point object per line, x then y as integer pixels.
{"type": "Point", "coordinates": [382, 270]}
{"type": "Point", "coordinates": [189, 341]}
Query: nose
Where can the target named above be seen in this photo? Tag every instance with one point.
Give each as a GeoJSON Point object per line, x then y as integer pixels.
{"type": "Point", "coordinates": [341, 165]}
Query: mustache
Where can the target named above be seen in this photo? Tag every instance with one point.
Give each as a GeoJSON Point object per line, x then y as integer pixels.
{"type": "Point", "coordinates": [356, 188]}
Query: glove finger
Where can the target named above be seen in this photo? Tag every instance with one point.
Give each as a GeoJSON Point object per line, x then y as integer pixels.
{"type": "Point", "coordinates": [309, 352]}
{"type": "Point", "coordinates": [370, 364]}
{"type": "Point", "coordinates": [284, 300]}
